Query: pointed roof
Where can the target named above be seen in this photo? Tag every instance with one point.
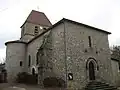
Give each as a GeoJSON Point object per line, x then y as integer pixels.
{"type": "Point", "coordinates": [37, 17]}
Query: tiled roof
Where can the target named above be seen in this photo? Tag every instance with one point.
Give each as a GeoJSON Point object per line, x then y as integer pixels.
{"type": "Point", "coordinates": [40, 18]}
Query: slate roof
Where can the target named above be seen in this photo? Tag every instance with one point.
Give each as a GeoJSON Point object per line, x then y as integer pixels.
{"type": "Point", "coordinates": [36, 17]}
{"type": "Point", "coordinates": [15, 41]}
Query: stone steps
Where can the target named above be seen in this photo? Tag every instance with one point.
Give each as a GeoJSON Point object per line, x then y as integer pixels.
{"type": "Point", "coordinates": [95, 85]}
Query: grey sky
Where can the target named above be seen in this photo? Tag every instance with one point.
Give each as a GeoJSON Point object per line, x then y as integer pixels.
{"type": "Point", "coordinates": [104, 14]}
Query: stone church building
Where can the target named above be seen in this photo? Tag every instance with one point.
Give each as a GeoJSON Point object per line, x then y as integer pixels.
{"type": "Point", "coordinates": [70, 51]}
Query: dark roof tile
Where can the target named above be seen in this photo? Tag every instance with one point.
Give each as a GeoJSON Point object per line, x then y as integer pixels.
{"type": "Point", "coordinates": [38, 18]}
{"type": "Point", "coordinates": [15, 41]}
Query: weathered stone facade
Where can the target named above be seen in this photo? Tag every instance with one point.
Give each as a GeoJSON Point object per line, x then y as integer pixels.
{"type": "Point", "coordinates": [65, 48]}
{"type": "Point", "coordinates": [68, 51]}
{"type": "Point", "coordinates": [20, 50]}
{"type": "Point", "coordinates": [14, 55]}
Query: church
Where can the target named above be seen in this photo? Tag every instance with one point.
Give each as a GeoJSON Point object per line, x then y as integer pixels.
{"type": "Point", "coordinates": [69, 51]}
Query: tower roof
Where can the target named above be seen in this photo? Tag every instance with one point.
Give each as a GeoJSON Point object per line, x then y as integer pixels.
{"type": "Point", "coordinates": [36, 17]}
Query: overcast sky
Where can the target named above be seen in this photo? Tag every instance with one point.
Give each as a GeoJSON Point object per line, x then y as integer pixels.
{"type": "Point", "coordinates": [103, 14]}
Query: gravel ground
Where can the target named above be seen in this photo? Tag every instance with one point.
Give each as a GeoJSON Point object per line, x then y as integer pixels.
{"type": "Point", "coordinates": [6, 86]}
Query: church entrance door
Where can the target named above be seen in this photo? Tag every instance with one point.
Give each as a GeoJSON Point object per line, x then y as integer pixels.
{"type": "Point", "coordinates": [91, 71]}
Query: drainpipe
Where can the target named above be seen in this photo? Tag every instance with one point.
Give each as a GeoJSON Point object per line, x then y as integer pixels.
{"type": "Point", "coordinates": [65, 52]}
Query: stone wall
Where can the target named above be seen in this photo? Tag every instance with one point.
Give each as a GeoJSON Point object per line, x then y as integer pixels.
{"type": "Point", "coordinates": [116, 72]}
{"type": "Point", "coordinates": [32, 50]}
{"type": "Point", "coordinates": [70, 52]}
{"type": "Point", "coordinates": [51, 65]}
{"type": "Point", "coordinates": [79, 52]}
{"type": "Point", "coordinates": [15, 53]}
{"type": "Point", "coordinates": [29, 31]}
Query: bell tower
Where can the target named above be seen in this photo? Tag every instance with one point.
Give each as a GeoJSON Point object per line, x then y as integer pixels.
{"type": "Point", "coordinates": [35, 24]}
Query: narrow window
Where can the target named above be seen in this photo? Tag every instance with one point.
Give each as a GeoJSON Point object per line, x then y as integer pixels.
{"type": "Point", "coordinates": [36, 30]}
{"type": "Point", "coordinates": [33, 71]}
{"type": "Point", "coordinates": [29, 60]}
{"type": "Point", "coordinates": [36, 27]}
{"type": "Point", "coordinates": [20, 63]}
{"type": "Point", "coordinates": [89, 37]}
{"type": "Point", "coordinates": [37, 59]}
{"type": "Point", "coordinates": [119, 65]}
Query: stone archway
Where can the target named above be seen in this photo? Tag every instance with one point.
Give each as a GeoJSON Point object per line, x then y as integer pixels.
{"type": "Point", "coordinates": [91, 71]}
{"type": "Point", "coordinates": [92, 68]}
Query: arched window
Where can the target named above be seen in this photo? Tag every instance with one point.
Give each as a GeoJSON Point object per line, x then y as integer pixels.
{"type": "Point", "coordinates": [33, 71]}
{"type": "Point", "coordinates": [91, 71]}
{"type": "Point", "coordinates": [29, 60]}
{"type": "Point", "coordinates": [36, 30]}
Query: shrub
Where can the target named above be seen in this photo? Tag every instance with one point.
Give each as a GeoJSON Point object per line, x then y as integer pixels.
{"type": "Point", "coordinates": [53, 82]}
{"type": "Point", "coordinates": [21, 77]}
{"type": "Point", "coordinates": [26, 78]}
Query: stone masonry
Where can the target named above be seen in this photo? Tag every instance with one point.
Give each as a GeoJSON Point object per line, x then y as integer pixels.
{"type": "Point", "coordinates": [63, 49]}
